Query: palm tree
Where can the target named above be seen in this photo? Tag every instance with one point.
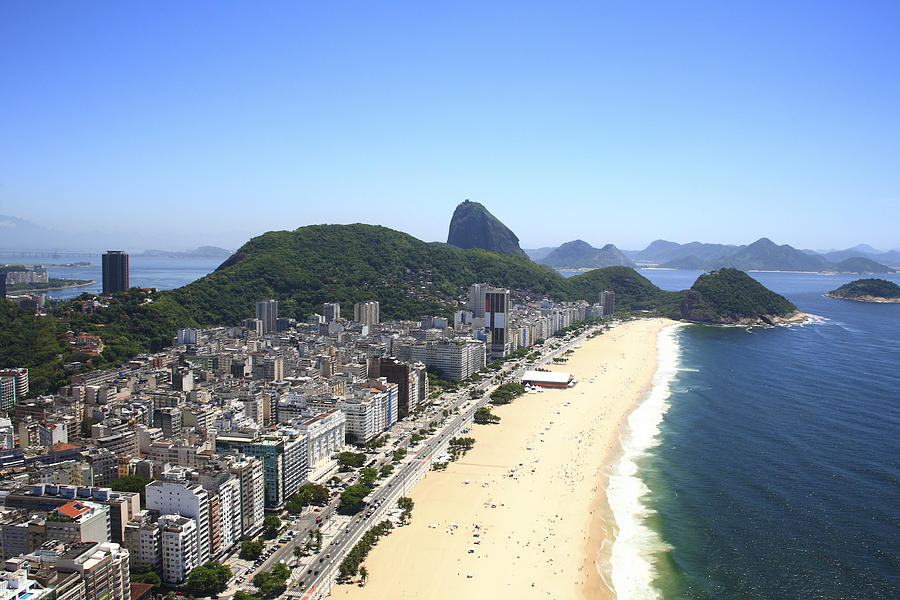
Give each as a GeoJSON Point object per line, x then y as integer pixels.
{"type": "Point", "coordinates": [363, 575]}
{"type": "Point", "coordinates": [298, 552]}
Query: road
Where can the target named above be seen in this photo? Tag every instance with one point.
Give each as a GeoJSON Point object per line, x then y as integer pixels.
{"type": "Point", "coordinates": [340, 533]}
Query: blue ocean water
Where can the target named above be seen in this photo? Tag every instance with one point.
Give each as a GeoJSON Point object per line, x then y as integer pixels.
{"type": "Point", "coordinates": [159, 272]}
{"type": "Point", "coordinates": [772, 467]}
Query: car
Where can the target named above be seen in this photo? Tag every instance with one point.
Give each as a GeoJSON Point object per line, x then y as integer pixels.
{"type": "Point", "coordinates": [316, 573]}
{"type": "Point", "coordinates": [317, 509]}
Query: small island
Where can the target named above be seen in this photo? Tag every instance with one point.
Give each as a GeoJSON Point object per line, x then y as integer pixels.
{"type": "Point", "coordinates": [731, 297]}
{"type": "Point", "coordinates": [868, 290]}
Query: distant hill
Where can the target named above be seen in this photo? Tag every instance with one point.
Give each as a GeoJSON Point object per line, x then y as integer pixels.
{"type": "Point", "coordinates": [765, 255]}
{"type": "Point", "coordinates": [580, 254]}
{"type": "Point", "coordinates": [863, 266]}
{"type": "Point", "coordinates": [473, 226]}
{"type": "Point", "coordinates": [891, 257]}
{"type": "Point", "coordinates": [868, 290]}
{"type": "Point", "coordinates": [732, 296]}
{"type": "Point", "coordinates": [662, 252]}
{"type": "Point", "coordinates": [761, 255]}
{"type": "Point", "coordinates": [201, 252]}
{"type": "Point", "coordinates": [536, 254]}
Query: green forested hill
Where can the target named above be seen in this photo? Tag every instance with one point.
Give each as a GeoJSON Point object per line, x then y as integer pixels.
{"type": "Point", "coordinates": [305, 268]}
{"type": "Point", "coordinates": [633, 290]}
{"type": "Point", "coordinates": [731, 296]}
{"type": "Point", "coordinates": [867, 288]}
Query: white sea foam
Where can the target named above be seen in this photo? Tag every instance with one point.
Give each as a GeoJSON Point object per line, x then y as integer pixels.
{"type": "Point", "coordinates": [636, 544]}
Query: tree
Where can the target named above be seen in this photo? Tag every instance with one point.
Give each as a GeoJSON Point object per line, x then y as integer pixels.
{"type": "Point", "coordinates": [271, 525]}
{"type": "Point", "coordinates": [352, 499]}
{"type": "Point", "coordinates": [317, 536]}
{"type": "Point", "coordinates": [251, 549]}
{"type": "Point", "coordinates": [363, 575]}
{"type": "Point", "coordinates": [131, 483]}
{"type": "Point", "coordinates": [272, 583]}
{"type": "Point", "coordinates": [86, 424]}
{"type": "Point", "coordinates": [386, 470]}
{"type": "Point", "coordinates": [351, 460]}
{"type": "Point", "coordinates": [367, 476]}
{"type": "Point", "coordinates": [146, 574]}
{"type": "Point", "coordinates": [483, 415]}
{"type": "Point", "coordinates": [298, 552]}
{"type": "Point", "coordinates": [208, 579]}
{"type": "Point", "coordinates": [240, 595]}
{"type": "Point", "coordinates": [406, 504]}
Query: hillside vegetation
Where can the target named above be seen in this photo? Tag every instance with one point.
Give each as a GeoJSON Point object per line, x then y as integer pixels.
{"type": "Point", "coordinates": [867, 289]}
{"type": "Point", "coordinates": [305, 268]}
{"type": "Point", "coordinates": [732, 296]}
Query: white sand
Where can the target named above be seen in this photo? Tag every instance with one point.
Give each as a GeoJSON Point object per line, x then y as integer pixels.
{"type": "Point", "coordinates": [548, 529]}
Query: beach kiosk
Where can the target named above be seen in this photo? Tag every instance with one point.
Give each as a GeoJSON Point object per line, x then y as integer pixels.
{"type": "Point", "coordinates": [549, 379]}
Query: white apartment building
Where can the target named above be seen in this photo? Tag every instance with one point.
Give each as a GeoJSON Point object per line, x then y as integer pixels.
{"type": "Point", "coordinates": [457, 359]}
{"type": "Point", "coordinates": [178, 541]}
{"type": "Point", "coordinates": [176, 496]}
{"type": "Point", "coordinates": [370, 410]}
{"type": "Point", "coordinates": [248, 471]}
{"type": "Point", "coordinates": [324, 436]}
{"type": "Point", "coordinates": [230, 498]}
{"type": "Point", "coordinates": [294, 461]}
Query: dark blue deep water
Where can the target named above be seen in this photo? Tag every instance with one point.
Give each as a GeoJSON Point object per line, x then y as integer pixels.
{"type": "Point", "coordinates": [777, 469]}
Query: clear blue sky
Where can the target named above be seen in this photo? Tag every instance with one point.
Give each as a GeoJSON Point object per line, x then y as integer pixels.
{"type": "Point", "coordinates": [613, 122]}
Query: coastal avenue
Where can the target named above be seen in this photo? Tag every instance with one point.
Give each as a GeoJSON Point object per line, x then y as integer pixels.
{"type": "Point", "coordinates": [341, 533]}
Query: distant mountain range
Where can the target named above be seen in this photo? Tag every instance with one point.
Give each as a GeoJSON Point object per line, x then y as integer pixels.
{"type": "Point", "coordinates": [201, 252]}
{"type": "Point", "coordinates": [579, 254]}
{"type": "Point", "coordinates": [761, 255]}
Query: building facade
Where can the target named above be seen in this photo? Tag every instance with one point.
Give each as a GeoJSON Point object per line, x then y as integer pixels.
{"type": "Point", "coordinates": [115, 272]}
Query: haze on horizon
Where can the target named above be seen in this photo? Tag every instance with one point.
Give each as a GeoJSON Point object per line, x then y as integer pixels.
{"type": "Point", "coordinates": [204, 123]}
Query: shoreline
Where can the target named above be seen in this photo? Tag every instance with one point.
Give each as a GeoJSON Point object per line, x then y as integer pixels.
{"type": "Point", "coordinates": [52, 289]}
{"type": "Point", "coordinates": [535, 484]}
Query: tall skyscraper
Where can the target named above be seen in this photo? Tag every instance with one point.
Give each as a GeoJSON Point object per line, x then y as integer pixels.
{"type": "Point", "coordinates": [115, 272]}
{"type": "Point", "coordinates": [332, 311]}
{"type": "Point", "coordinates": [367, 312]}
{"type": "Point", "coordinates": [607, 303]}
{"type": "Point", "coordinates": [496, 307]}
{"type": "Point", "coordinates": [476, 299]}
{"type": "Point", "coordinates": [267, 312]}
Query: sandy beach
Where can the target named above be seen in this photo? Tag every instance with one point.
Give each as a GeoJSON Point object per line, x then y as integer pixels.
{"type": "Point", "coordinates": [532, 489]}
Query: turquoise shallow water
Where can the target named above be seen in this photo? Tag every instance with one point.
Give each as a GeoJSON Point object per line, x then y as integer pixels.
{"type": "Point", "coordinates": [774, 471]}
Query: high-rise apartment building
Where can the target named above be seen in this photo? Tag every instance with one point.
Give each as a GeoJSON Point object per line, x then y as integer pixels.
{"type": "Point", "coordinates": [180, 548]}
{"type": "Point", "coordinates": [103, 568]}
{"type": "Point", "coordinates": [115, 272]}
{"type": "Point", "coordinates": [248, 470]}
{"type": "Point", "coordinates": [187, 336]}
{"type": "Point", "coordinates": [267, 312]}
{"type": "Point", "coordinates": [476, 299]}
{"type": "Point", "coordinates": [457, 359]}
{"type": "Point", "coordinates": [496, 318]}
{"type": "Point", "coordinates": [175, 496]}
{"type": "Point", "coordinates": [367, 313]}
{"type": "Point", "coordinates": [19, 376]}
{"type": "Point", "coordinates": [331, 311]}
{"type": "Point", "coordinates": [607, 303]}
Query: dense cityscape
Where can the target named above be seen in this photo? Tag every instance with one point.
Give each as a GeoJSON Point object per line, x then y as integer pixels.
{"type": "Point", "coordinates": [179, 460]}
